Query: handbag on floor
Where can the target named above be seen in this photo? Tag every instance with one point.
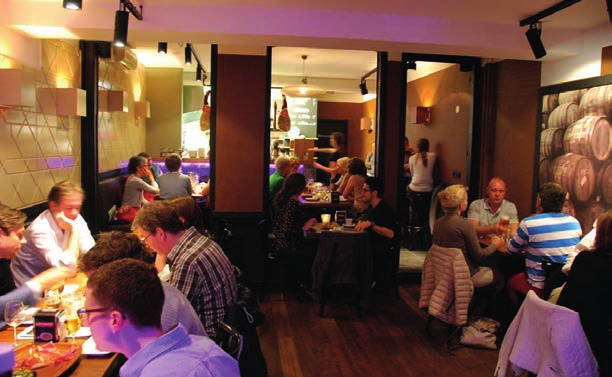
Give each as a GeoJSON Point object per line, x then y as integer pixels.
{"type": "Point", "coordinates": [480, 332]}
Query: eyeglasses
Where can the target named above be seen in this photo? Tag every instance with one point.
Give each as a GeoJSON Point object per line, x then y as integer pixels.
{"type": "Point", "coordinates": [84, 314]}
{"type": "Point", "coordinates": [145, 238]}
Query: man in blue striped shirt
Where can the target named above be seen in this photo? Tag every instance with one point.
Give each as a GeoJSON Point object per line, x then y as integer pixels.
{"type": "Point", "coordinates": [550, 233]}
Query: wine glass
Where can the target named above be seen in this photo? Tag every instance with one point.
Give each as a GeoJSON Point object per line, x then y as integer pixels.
{"type": "Point", "coordinates": [13, 315]}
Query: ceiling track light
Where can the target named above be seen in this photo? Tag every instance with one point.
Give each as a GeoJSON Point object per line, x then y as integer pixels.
{"type": "Point", "coordinates": [534, 37]}
{"type": "Point", "coordinates": [363, 87]}
{"type": "Point", "coordinates": [122, 18]}
{"type": "Point", "coordinates": [188, 54]}
{"type": "Point", "coordinates": [162, 48]}
{"type": "Point", "coordinates": [72, 4]}
{"type": "Point", "coordinates": [411, 65]}
{"type": "Point", "coordinates": [199, 73]}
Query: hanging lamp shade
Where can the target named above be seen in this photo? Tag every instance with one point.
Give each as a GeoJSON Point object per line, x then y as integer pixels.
{"type": "Point", "coordinates": [304, 89]}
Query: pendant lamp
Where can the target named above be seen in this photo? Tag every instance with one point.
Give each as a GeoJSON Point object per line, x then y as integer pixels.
{"type": "Point", "coordinates": [304, 90]}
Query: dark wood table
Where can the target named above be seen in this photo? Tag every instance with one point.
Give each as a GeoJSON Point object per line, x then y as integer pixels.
{"type": "Point", "coordinates": [342, 205]}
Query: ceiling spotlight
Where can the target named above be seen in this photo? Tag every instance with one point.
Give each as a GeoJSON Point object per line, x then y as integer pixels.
{"type": "Point", "coordinates": [199, 73]}
{"type": "Point", "coordinates": [122, 17]}
{"type": "Point", "coordinates": [73, 4]}
{"type": "Point", "coordinates": [162, 48]}
{"type": "Point", "coordinates": [534, 34]}
{"type": "Point", "coordinates": [411, 65]}
{"type": "Point", "coordinates": [363, 88]}
{"type": "Point", "coordinates": [188, 54]}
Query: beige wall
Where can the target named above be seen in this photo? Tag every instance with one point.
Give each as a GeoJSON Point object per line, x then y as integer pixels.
{"type": "Point", "coordinates": [448, 131]}
{"type": "Point", "coordinates": [38, 150]}
{"type": "Point", "coordinates": [120, 135]}
{"type": "Point", "coordinates": [165, 93]}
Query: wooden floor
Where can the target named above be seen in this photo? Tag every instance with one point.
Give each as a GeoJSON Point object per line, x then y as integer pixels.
{"type": "Point", "coordinates": [388, 341]}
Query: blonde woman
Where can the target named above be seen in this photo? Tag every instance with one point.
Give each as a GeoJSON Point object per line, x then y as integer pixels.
{"type": "Point", "coordinates": [340, 184]}
{"type": "Point", "coordinates": [455, 231]}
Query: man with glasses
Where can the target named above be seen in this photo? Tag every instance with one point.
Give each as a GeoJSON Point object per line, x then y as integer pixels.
{"type": "Point", "coordinates": [198, 266]}
{"type": "Point", "coordinates": [114, 246]}
{"type": "Point", "coordinates": [11, 239]}
{"type": "Point", "coordinates": [123, 306]}
{"type": "Point", "coordinates": [486, 214]}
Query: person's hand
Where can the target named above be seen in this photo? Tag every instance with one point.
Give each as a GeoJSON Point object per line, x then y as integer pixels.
{"type": "Point", "coordinates": [362, 225]}
{"type": "Point", "coordinates": [53, 277]}
{"type": "Point", "coordinates": [499, 243]}
{"type": "Point", "coordinates": [63, 222]}
{"type": "Point", "coordinates": [499, 229]}
{"type": "Point", "coordinates": [309, 224]}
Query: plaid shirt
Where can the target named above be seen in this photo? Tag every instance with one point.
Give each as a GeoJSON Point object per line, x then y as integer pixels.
{"type": "Point", "coordinates": [203, 273]}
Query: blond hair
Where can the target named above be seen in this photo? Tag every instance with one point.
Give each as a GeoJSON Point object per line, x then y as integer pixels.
{"type": "Point", "coordinates": [343, 162]}
{"type": "Point", "coordinates": [452, 197]}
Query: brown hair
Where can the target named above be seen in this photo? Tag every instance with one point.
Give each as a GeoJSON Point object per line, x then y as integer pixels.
{"type": "Point", "coordinates": [10, 218]}
{"type": "Point", "coordinates": [158, 214]}
{"type": "Point", "coordinates": [173, 162]}
{"type": "Point", "coordinates": [603, 233]}
{"type": "Point", "coordinates": [423, 147]}
{"type": "Point", "coordinates": [552, 197]}
{"type": "Point", "coordinates": [63, 189]}
{"type": "Point", "coordinates": [131, 287]}
{"type": "Point", "coordinates": [188, 211]}
{"type": "Point", "coordinates": [294, 184]}
{"type": "Point", "coordinates": [357, 166]}
{"type": "Point", "coordinates": [113, 246]}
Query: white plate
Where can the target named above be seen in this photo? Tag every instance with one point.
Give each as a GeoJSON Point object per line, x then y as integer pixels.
{"type": "Point", "coordinates": [89, 348]}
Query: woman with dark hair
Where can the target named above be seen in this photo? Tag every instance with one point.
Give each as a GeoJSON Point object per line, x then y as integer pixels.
{"type": "Point", "coordinates": [292, 219]}
{"type": "Point", "coordinates": [354, 188]}
{"type": "Point", "coordinates": [422, 183]}
{"type": "Point", "coordinates": [588, 290]}
{"type": "Point", "coordinates": [336, 152]}
{"type": "Point", "coordinates": [135, 187]}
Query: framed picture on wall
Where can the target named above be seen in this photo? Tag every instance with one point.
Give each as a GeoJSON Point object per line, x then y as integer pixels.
{"type": "Point", "coordinates": [574, 147]}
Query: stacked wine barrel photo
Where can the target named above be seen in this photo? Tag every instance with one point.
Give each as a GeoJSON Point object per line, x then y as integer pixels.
{"type": "Point", "coordinates": [575, 145]}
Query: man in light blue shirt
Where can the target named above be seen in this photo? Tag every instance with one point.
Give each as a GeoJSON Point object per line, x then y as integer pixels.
{"type": "Point", "coordinates": [486, 214]}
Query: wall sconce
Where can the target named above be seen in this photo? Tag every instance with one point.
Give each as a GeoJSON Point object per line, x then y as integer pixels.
{"type": "Point", "coordinates": [17, 88]}
{"type": "Point", "coordinates": [367, 123]}
{"type": "Point", "coordinates": [420, 115]}
{"type": "Point", "coordinates": [162, 48]}
{"type": "Point", "coordinates": [72, 4]}
{"type": "Point", "coordinates": [62, 101]}
{"type": "Point", "coordinates": [142, 109]}
{"type": "Point", "coordinates": [112, 101]}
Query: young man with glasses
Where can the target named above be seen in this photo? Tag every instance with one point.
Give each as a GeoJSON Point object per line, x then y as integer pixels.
{"type": "Point", "coordinates": [123, 306]}
{"type": "Point", "coordinates": [199, 267]}
{"type": "Point", "coordinates": [487, 213]}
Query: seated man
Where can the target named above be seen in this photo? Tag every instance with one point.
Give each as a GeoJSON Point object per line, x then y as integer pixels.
{"type": "Point", "coordinates": [199, 268]}
{"type": "Point", "coordinates": [123, 306]}
{"type": "Point", "coordinates": [113, 246]}
{"type": "Point", "coordinates": [11, 238]}
{"type": "Point", "coordinates": [486, 214]}
{"type": "Point", "coordinates": [57, 237]}
{"type": "Point", "coordinates": [174, 183]}
{"type": "Point", "coordinates": [550, 233]}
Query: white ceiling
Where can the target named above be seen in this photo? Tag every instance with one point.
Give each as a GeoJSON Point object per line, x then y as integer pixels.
{"type": "Point", "coordinates": [339, 36]}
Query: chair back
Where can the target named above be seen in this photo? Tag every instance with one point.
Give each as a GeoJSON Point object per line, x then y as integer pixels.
{"type": "Point", "coordinates": [554, 276]}
{"type": "Point", "coordinates": [546, 339]}
{"type": "Point", "coordinates": [229, 340]}
{"type": "Point", "coordinates": [446, 286]}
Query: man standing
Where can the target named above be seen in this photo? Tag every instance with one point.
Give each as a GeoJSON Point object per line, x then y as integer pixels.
{"type": "Point", "coordinates": [11, 239]}
{"type": "Point", "coordinates": [56, 237]}
{"type": "Point", "coordinates": [198, 266]}
{"type": "Point", "coordinates": [551, 233]}
{"type": "Point", "coordinates": [123, 305]}
{"type": "Point", "coordinates": [486, 214]}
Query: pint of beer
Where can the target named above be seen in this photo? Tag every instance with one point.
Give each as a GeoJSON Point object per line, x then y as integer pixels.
{"type": "Point", "coordinates": [504, 221]}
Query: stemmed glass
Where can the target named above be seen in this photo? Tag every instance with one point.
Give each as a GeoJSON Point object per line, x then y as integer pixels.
{"type": "Point", "coordinates": [14, 316]}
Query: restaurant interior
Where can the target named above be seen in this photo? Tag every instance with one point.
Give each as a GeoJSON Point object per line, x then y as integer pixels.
{"type": "Point", "coordinates": [75, 106]}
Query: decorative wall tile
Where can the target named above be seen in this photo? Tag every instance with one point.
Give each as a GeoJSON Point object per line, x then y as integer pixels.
{"type": "Point", "coordinates": [15, 166]}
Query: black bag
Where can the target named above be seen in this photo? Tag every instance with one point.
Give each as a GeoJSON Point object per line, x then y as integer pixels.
{"type": "Point", "coordinates": [247, 302]}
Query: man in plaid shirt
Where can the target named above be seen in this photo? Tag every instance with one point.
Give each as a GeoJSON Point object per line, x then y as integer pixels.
{"type": "Point", "coordinates": [199, 268]}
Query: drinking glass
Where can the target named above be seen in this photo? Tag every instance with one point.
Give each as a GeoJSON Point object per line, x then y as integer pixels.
{"type": "Point", "coordinates": [71, 319]}
{"type": "Point", "coordinates": [13, 315]}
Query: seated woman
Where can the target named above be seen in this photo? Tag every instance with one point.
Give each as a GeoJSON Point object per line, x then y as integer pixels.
{"type": "Point", "coordinates": [354, 187]}
{"type": "Point", "coordinates": [135, 187]}
{"type": "Point", "coordinates": [454, 231]}
{"type": "Point", "coordinates": [342, 169]}
{"type": "Point", "coordinates": [290, 224]}
{"type": "Point", "coordinates": [588, 290]}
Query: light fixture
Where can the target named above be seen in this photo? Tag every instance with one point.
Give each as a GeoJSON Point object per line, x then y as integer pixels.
{"type": "Point", "coordinates": [73, 4]}
{"type": "Point", "coordinates": [305, 89]}
{"type": "Point", "coordinates": [366, 124]}
{"type": "Point", "coordinates": [62, 101]}
{"type": "Point", "coordinates": [199, 73]}
{"type": "Point", "coordinates": [122, 18]}
{"type": "Point", "coordinates": [162, 48]}
{"type": "Point", "coordinates": [534, 34]}
{"type": "Point", "coordinates": [363, 88]}
{"type": "Point", "coordinates": [188, 54]}
{"type": "Point", "coordinates": [411, 65]}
